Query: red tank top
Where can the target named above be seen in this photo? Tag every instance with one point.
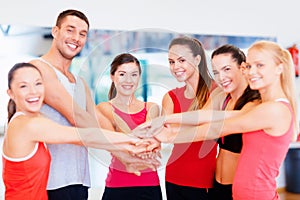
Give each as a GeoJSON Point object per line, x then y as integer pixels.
{"type": "Point", "coordinates": [259, 163]}
{"type": "Point", "coordinates": [27, 178]}
{"type": "Point", "coordinates": [190, 164]}
{"type": "Point", "coordinates": [117, 174]}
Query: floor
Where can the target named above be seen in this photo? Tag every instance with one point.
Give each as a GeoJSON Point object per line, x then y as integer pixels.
{"type": "Point", "coordinates": [289, 196]}
{"type": "Point", "coordinates": [95, 194]}
{"type": "Point", "coordinates": [99, 161]}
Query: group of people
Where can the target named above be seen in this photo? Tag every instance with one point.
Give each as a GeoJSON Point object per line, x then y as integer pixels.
{"type": "Point", "coordinates": [228, 140]}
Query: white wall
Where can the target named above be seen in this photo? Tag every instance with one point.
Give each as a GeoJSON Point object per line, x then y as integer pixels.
{"type": "Point", "coordinates": [231, 17]}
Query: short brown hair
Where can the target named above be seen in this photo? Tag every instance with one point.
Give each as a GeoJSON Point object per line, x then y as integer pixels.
{"type": "Point", "coordinates": [72, 12]}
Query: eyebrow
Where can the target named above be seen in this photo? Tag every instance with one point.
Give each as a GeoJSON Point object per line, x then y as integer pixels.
{"type": "Point", "coordinates": [73, 27]}
{"type": "Point", "coordinates": [129, 72]}
{"type": "Point", "coordinates": [22, 82]}
{"type": "Point", "coordinates": [38, 79]}
{"type": "Point", "coordinates": [177, 58]}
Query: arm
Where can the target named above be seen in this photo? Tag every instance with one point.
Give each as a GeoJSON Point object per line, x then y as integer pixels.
{"type": "Point", "coordinates": [208, 113]}
{"type": "Point", "coordinates": [104, 122]}
{"type": "Point", "coordinates": [90, 116]}
{"type": "Point", "coordinates": [108, 115]}
{"type": "Point", "coordinates": [262, 117]}
{"type": "Point", "coordinates": [42, 129]}
{"type": "Point", "coordinates": [167, 105]}
{"type": "Point", "coordinates": [57, 97]}
{"type": "Point", "coordinates": [153, 111]}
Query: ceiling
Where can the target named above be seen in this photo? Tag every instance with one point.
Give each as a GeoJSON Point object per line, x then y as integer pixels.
{"type": "Point", "coordinates": [231, 17]}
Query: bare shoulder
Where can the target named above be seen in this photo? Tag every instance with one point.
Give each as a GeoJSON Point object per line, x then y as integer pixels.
{"type": "Point", "coordinates": [44, 68]}
{"type": "Point", "coordinates": [270, 110]}
{"type": "Point", "coordinates": [105, 108]}
{"type": "Point", "coordinates": [166, 96]}
{"type": "Point", "coordinates": [152, 105]}
{"type": "Point", "coordinates": [275, 114]}
{"type": "Point", "coordinates": [167, 104]}
{"type": "Point", "coordinates": [153, 109]}
{"type": "Point", "coordinates": [167, 100]}
{"type": "Point", "coordinates": [275, 107]}
{"type": "Point", "coordinates": [26, 125]}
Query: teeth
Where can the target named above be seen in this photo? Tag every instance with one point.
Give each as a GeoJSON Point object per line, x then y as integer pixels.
{"type": "Point", "coordinates": [127, 86]}
{"type": "Point", "coordinates": [254, 79]}
{"type": "Point", "coordinates": [179, 73]}
{"type": "Point", "coordinates": [72, 46]}
{"type": "Point", "coordinates": [224, 84]}
{"type": "Point", "coordinates": [33, 99]}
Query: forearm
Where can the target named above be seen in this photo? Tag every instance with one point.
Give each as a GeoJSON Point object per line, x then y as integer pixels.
{"type": "Point", "coordinates": [199, 133]}
{"type": "Point", "coordinates": [199, 117]}
{"type": "Point", "coordinates": [185, 133]}
{"type": "Point", "coordinates": [104, 139]}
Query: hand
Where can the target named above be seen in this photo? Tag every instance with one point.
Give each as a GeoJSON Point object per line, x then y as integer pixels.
{"type": "Point", "coordinates": [136, 147]}
{"type": "Point", "coordinates": [134, 164]}
{"type": "Point", "coordinates": [140, 131]}
{"type": "Point", "coordinates": [153, 145]}
{"type": "Point", "coordinates": [165, 135]}
{"type": "Point", "coordinates": [149, 128]}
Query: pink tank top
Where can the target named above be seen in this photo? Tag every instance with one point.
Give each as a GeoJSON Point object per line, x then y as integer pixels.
{"type": "Point", "coordinates": [190, 164]}
{"type": "Point", "coordinates": [259, 163]}
{"type": "Point", "coordinates": [117, 175]}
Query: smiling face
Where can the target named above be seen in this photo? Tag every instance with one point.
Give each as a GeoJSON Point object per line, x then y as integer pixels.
{"type": "Point", "coordinates": [70, 36]}
{"type": "Point", "coordinates": [261, 70]}
{"type": "Point", "coordinates": [183, 64]}
{"type": "Point", "coordinates": [126, 78]}
{"type": "Point", "coordinates": [227, 72]}
{"type": "Point", "coordinates": [27, 90]}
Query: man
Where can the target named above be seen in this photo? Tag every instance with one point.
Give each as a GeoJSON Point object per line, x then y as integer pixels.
{"type": "Point", "coordinates": [69, 176]}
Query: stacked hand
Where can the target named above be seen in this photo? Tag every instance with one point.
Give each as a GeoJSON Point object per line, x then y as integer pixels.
{"type": "Point", "coordinates": [142, 152]}
{"type": "Point", "coordinates": [135, 164]}
{"type": "Point", "coordinates": [150, 128]}
{"type": "Point", "coordinates": [156, 129]}
{"type": "Point", "coordinates": [146, 145]}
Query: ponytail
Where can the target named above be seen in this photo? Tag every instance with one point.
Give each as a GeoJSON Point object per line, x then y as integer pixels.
{"type": "Point", "coordinates": [112, 91]}
{"type": "Point", "coordinates": [11, 109]}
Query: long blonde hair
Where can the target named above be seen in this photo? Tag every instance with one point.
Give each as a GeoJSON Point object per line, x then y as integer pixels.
{"type": "Point", "coordinates": [287, 77]}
